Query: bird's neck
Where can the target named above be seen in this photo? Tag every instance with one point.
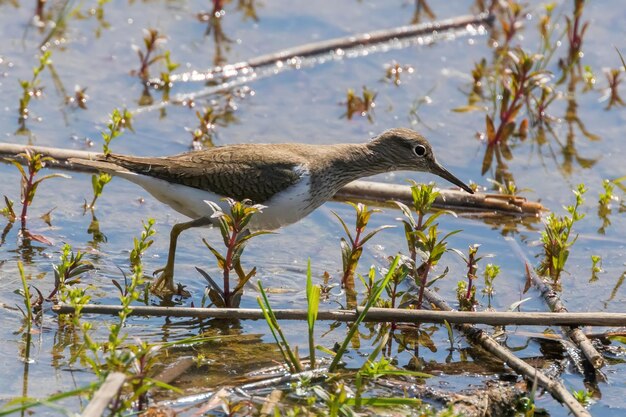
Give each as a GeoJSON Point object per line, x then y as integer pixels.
{"type": "Point", "coordinates": [344, 163]}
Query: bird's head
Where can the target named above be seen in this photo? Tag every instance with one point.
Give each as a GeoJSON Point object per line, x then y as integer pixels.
{"type": "Point", "coordinates": [405, 149]}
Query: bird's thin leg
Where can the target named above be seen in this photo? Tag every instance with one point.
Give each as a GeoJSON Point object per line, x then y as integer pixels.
{"type": "Point", "coordinates": [165, 283]}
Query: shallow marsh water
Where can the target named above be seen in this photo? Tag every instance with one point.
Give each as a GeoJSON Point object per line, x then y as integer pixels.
{"type": "Point", "coordinates": [300, 105]}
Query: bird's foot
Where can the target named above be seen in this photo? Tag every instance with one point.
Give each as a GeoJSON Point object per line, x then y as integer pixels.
{"type": "Point", "coordinates": [164, 285]}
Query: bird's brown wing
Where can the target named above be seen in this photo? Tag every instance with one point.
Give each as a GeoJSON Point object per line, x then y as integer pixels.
{"type": "Point", "coordinates": [228, 171]}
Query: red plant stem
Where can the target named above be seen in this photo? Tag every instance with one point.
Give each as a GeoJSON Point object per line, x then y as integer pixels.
{"type": "Point", "coordinates": [25, 203]}
{"type": "Point", "coordinates": [424, 277]}
{"type": "Point", "coordinates": [420, 219]}
{"type": "Point", "coordinates": [393, 305]}
{"type": "Point", "coordinates": [350, 268]}
{"type": "Point", "coordinates": [39, 9]}
{"type": "Point", "coordinates": [218, 6]}
{"type": "Point", "coordinates": [227, 264]}
{"type": "Point", "coordinates": [393, 294]}
{"type": "Point", "coordinates": [357, 237]}
{"type": "Point", "coordinates": [469, 287]}
{"type": "Point", "coordinates": [471, 274]}
{"type": "Point", "coordinates": [413, 252]}
{"type": "Point", "coordinates": [504, 119]}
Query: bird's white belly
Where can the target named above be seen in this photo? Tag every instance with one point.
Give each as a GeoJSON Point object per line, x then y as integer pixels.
{"type": "Point", "coordinates": [286, 207]}
{"type": "Point", "coordinates": [282, 209]}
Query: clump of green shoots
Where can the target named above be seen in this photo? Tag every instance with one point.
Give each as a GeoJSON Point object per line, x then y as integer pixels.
{"type": "Point", "coordinates": [351, 253]}
{"type": "Point", "coordinates": [491, 273]}
{"type": "Point", "coordinates": [507, 187]}
{"type": "Point", "coordinates": [604, 205]}
{"type": "Point", "coordinates": [129, 294]}
{"type": "Point", "coordinates": [69, 270]}
{"type": "Point", "coordinates": [422, 235]}
{"type": "Point", "coordinates": [233, 227]}
{"type": "Point", "coordinates": [596, 267]}
{"type": "Point", "coordinates": [466, 303]}
{"type": "Point", "coordinates": [363, 106]}
{"type": "Point", "coordinates": [119, 121]}
{"type": "Point", "coordinates": [35, 162]}
{"type": "Point", "coordinates": [583, 397]}
{"type": "Point", "coordinates": [31, 89]}
{"type": "Point", "coordinates": [395, 295]}
{"type": "Point", "coordinates": [98, 181]}
{"type": "Point", "coordinates": [556, 237]}
{"type": "Point", "coordinates": [468, 300]}
{"type": "Point", "coordinates": [166, 76]}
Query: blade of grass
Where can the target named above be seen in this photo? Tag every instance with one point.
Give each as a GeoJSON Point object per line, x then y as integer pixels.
{"type": "Point", "coordinates": [290, 358]}
{"type": "Point", "coordinates": [313, 303]}
{"type": "Point", "coordinates": [376, 293]}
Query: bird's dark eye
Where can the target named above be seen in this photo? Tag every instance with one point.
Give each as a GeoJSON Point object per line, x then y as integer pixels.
{"type": "Point", "coordinates": [420, 150]}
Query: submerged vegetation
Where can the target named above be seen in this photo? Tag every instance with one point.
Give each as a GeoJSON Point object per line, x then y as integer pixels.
{"type": "Point", "coordinates": [524, 100]}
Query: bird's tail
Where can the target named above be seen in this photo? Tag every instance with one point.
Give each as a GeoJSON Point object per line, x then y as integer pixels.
{"type": "Point", "coordinates": [105, 166]}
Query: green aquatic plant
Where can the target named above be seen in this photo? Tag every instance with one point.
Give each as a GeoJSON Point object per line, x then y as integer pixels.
{"type": "Point", "coordinates": [31, 89]}
{"type": "Point", "coordinates": [583, 396]}
{"type": "Point", "coordinates": [471, 261]}
{"type": "Point", "coordinates": [556, 237]}
{"type": "Point", "coordinates": [575, 32]}
{"type": "Point", "coordinates": [209, 119]}
{"type": "Point", "coordinates": [596, 267]}
{"type": "Point", "coordinates": [519, 78]}
{"type": "Point", "coordinates": [292, 360]}
{"type": "Point", "coordinates": [313, 294]}
{"type": "Point", "coordinates": [166, 76]}
{"type": "Point", "coordinates": [69, 270]}
{"type": "Point", "coordinates": [152, 40]}
{"type": "Point", "coordinates": [422, 235]}
{"type": "Point", "coordinates": [235, 234]}
{"type": "Point", "coordinates": [118, 122]}
{"type": "Point", "coordinates": [351, 252]}
{"type": "Point", "coordinates": [98, 181]}
{"type": "Point", "coordinates": [373, 369]}
{"type": "Point", "coordinates": [377, 291]}
{"type": "Point", "coordinates": [136, 360]}
{"type": "Point", "coordinates": [604, 204]}
{"type": "Point", "coordinates": [491, 273]}
{"type": "Point", "coordinates": [30, 183]}
{"type": "Point", "coordinates": [290, 356]}
{"type": "Point", "coordinates": [614, 79]}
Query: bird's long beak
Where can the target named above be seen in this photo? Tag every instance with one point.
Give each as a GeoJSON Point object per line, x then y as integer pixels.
{"type": "Point", "coordinates": [447, 175]}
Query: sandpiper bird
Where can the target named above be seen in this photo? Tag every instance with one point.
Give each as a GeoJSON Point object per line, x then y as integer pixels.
{"type": "Point", "coordinates": [290, 179]}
